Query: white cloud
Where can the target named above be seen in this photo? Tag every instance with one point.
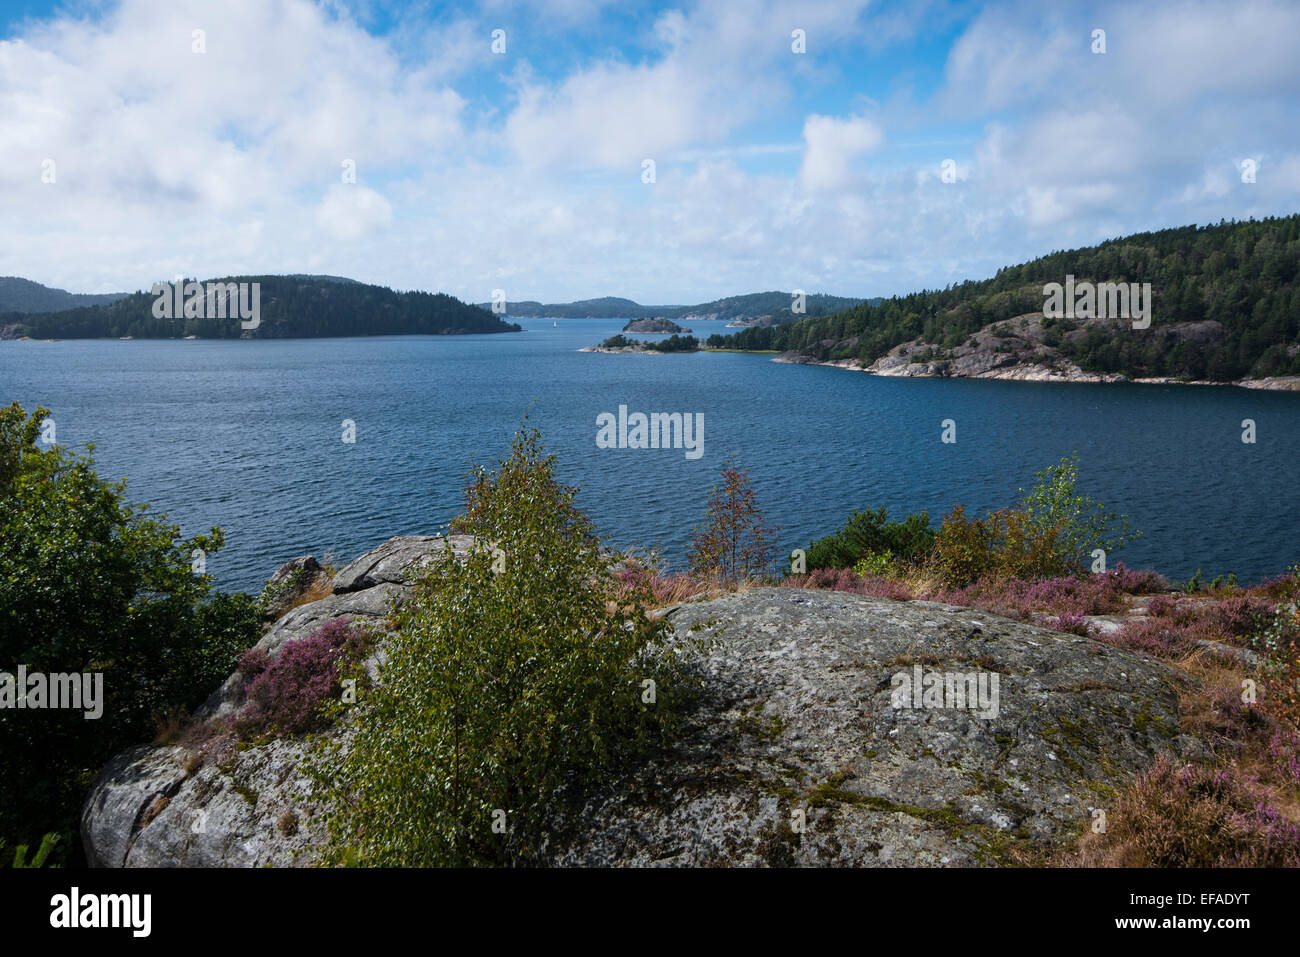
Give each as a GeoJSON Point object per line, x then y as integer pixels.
{"type": "Point", "coordinates": [350, 212]}
{"type": "Point", "coordinates": [773, 170]}
{"type": "Point", "coordinates": [832, 148]}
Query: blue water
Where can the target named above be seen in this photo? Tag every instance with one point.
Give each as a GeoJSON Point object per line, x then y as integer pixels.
{"type": "Point", "coordinates": [247, 435]}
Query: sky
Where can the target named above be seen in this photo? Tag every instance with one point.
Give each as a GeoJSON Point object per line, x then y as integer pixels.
{"type": "Point", "coordinates": [854, 148]}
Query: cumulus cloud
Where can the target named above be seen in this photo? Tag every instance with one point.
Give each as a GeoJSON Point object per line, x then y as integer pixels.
{"type": "Point", "coordinates": [349, 212]}
{"type": "Point", "coordinates": [522, 172]}
{"type": "Point", "coordinates": [832, 148]}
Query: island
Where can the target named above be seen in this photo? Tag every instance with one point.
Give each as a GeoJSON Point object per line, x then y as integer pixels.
{"type": "Point", "coordinates": [621, 344]}
{"type": "Point", "coordinates": [291, 306]}
{"type": "Point", "coordinates": [1193, 304]}
{"type": "Point", "coordinates": [657, 324]}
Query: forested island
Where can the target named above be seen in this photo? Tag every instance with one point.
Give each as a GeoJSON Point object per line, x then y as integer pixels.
{"type": "Point", "coordinates": [621, 343]}
{"type": "Point", "coordinates": [290, 307]}
{"type": "Point", "coordinates": [1225, 307]}
{"type": "Point", "coordinates": [656, 325]}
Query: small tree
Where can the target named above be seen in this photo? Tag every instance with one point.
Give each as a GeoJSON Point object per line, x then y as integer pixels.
{"type": "Point", "coordinates": [516, 671]}
{"type": "Point", "coordinates": [735, 543]}
{"type": "Point", "coordinates": [1078, 523]}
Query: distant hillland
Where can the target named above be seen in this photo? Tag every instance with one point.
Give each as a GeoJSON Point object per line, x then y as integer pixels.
{"type": "Point", "coordinates": [749, 306]}
{"type": "Point", "coordinates": [1223, 306]}
{"type": "Point", "coordinates": [290, 307]}
{"type": "Point", "coordinates": [25, 296]}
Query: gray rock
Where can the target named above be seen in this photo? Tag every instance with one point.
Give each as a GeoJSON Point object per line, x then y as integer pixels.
{"type": "Point", "coordinates": [292, 581]}
{"type": "Point", "coordinates": [797, 720]}
{"type": "Point", "coordinates": [161, 806]}
{"type": "Point", "coordinates": [794, 753]}
{"type": "Point", "coordinates": [398, 560]}
{"type": "Point", "coordinates": [122, 797]}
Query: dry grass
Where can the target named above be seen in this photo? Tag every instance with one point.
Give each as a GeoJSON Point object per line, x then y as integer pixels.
{"type": "Point", "coordinates": [1243, 809]}
{"type": "Point", "coordinates": [170, 727]}
{"type": "Point", "coordinates": [157, 807]}
{"type": "Point", "coordinates": [321, 587]}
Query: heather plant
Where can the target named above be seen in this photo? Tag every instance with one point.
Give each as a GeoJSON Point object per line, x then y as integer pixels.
{"type": "Point", "coordinates": [1099, 594]}
{"type": "Point", "coordinates": [1071, 623]}
{"type": "Point", "coordinates": [289, 694]}
{"type": "Point", "coordinates": [1173, 628]}
{"type": "Point", "coordinates": [519, 674]}
{"type": "Point", "coordinates": [1197, 816]}
{"type": "Point", "coordinates": [846, 579]}
{"type": "Point", "coordinates": [734, 544]}
{"type": "Point", "coordinates": [1160, 606]}
{"type": "Point", "coordinates": [642, 575]}
{"type": "Point", "coordinates": [1154, 636]}
{"type": "Point", "coordinates": [1218, 715]}
{"type": "Point", "coordinates": [1284, 748]}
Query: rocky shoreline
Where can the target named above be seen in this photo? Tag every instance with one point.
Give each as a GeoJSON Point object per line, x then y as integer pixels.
{"type": "Point", "coordinates": [1032, 373]}
{"type": "Point", "coordinates": [625, 350]}
{"type": "Point", "coordinates": [1023, 349]}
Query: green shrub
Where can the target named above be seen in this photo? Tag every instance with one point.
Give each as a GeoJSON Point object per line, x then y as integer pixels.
{"type": "Point", "coordinates": [516, 673]}
{"type": "Point", "coordinates": [880, 564]}
{"type": "Point", "coordinates": [1051, 532]}
{"type": "Point", "coordinates": [963, 548]}
{"type": "Point", "coordinates": [91, 584]}
{"type": "Point", "coordinates": [869, 533]}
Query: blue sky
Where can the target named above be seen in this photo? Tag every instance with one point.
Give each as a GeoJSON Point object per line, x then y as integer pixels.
{"type": "Point", "coordinates": [131, 156]}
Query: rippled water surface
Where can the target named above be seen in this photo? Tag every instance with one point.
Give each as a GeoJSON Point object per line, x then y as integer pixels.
{"type": "Point", "coordinates": [247, 435]}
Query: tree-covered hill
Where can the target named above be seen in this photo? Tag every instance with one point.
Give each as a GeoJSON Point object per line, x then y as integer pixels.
{"type": "Point", "coordinates": [290, 307]}
{"type": "Point", "coordinates": [1243, 276]}
{"type": "Point", "coordinates": [23, 295]}
{"type": "Point", "coordinates": [748, 306]}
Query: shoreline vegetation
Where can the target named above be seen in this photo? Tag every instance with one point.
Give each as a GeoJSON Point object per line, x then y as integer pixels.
{"type": "Point", "coordinates": [1222, 306]}
{"type": "Point", "coordinates": [1040, 562]}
